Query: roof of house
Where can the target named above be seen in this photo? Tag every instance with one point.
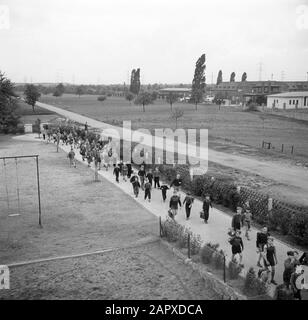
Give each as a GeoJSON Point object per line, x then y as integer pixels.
{"type": "Point", "coordinates": [292, 94]}
{"type": "Point", "coordinates": [176, 89]}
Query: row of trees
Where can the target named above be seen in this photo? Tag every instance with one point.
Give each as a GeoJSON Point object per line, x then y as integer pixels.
{"type": "Point", "coordinates": [232, 77]}
{"type": "Point", "coordinates": [147, 97]}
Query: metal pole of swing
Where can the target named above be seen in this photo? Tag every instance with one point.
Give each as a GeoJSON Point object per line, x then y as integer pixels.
{"type": "Point", "coordinates": [38, 191]}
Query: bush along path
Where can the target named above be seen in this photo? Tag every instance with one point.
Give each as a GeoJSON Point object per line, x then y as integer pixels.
{"type": "Point", "coordinates": [215, 231]}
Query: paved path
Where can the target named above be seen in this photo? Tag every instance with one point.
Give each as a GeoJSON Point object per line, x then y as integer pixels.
{"type": "Point", "coordinates": [294, 177]}
{"type": "Point", "coordinates": [215, 231]}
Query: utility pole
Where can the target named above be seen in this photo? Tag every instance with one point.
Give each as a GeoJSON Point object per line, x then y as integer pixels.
{"type": "Point", "coordinates": [260, 71]}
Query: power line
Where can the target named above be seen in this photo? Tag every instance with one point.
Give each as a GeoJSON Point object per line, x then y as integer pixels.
{"type": "Point", "coordinates": [260, 71]}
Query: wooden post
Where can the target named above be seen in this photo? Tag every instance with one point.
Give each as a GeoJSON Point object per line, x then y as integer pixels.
{"type": "Point", "coordinates": [38, 191]}
{"type": "Point", "coordinates": [224, 268]}
{"type": "Point", "coordinates": [282, 148]}
{"type": "Point", "coordinates": [270, 204]}
{"type": "Point", "coordinates": [188, 244]}
{"type": "Point", "coordinates": [292, 149]}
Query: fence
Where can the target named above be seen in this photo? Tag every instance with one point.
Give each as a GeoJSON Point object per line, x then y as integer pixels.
{"type": "Point", "coordinates": [283, 149]}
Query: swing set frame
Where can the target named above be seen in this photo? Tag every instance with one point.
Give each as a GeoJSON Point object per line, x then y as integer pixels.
{"type": "Point", "coordinates": [37, 178]}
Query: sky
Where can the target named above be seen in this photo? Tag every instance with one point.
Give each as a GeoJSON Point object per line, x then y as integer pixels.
{"type": "Point", "coordinates": [101, 41]}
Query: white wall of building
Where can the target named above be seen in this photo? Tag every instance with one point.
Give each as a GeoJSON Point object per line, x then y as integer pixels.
{"type": "Point", "coordinates": [287, 102]}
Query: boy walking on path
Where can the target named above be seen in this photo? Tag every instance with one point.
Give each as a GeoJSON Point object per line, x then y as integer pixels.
{"type": "Point", "coordinates": [247, 222]}
{"type": "Point", "coordinates": [207, 203]}
{"type": "Point", "coordinates": [237, 219]}
{"type": "Point", "coordinates": [71, 156]}
{"type": "Point", "coordinates": [176, 183]}
{"type": "Point", "coordinates": [147, 190]}
{"type": "Point", "coordinates": [262, 238]}
{"type": "Point", "coordinates": [174, 204]}
{"type": "Point", "coordinates": [188, 201]}
{"type": "Point", "coordinates": [237, 246]}
{"type": "Point", "coordinates": [136, 185]}
{"type": "Point", "coordinates": [129, 170]}
{"type": "Point", "coordinates": [270, 257]}
{"type": "Point", "coordinates": [149, 176]}
{"type": "Point", "coordinates": [116, 172]}
{"type": "Point", "coordinates": [156, 178]}
{"type": "Point", "coordinates": [141, 174]}
{"type": "Point", "coordinates": [164, 189]}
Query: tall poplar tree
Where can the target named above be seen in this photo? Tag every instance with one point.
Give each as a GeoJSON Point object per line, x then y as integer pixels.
{"type": "Point", "coordinates": [219, 78]}
{"type": "Point", "coordinates": [198, 83]}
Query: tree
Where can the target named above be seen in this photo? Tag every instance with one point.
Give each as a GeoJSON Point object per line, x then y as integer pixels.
{"type": "Point", "coordinates": [171, 99]}
{"type": "Point", "coordinates": [176, 115]}
{"type": "Point", "coordinates": [198, 83]}
{"type": "Point", "coordinates": [219, 78]}
{"type": "Point", "coordinates": [154, 95]}
{"type": "Point", "coordinates": [244, 77]}
{"type": "Point", "coordinates": [59, 90]}
{"type": "Point", "coordinates": [129, 96]}
{"type": "Point", "coordinates": [9, 117]}
{"type": "Point", "coordinates": [79, 91]}
{"type": "Point", "coordinates": [232, 77]}
{"type": "Point", "coordinates": [135, 81]}
{"type": "Point", "coordinates": [31, 95]}
{"type": "Point", "coordinates": [144, 98]}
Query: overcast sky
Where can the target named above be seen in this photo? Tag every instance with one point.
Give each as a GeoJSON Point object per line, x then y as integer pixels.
{"type": "Point", "coordinates": [100, 41]}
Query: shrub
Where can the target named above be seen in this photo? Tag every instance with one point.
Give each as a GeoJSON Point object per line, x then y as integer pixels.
{"type": "Point", "coordinates": [195, 243]}
{"type": "Point", "coordinates": [174, 232]}
{"type": "Point", "coordinates": [101, 98]}
{"type": "Point", "coordinates": [207, 252]}
{"type": "Point", "coordinates": [249, 285]}
{"type": "Point", "coordinates": [283, 293]}
{"type": "Point", "coordinates": [299, 228]}
{"type": "Point", "coordinates": [234, 270]}
{"type": "Point", "coordinates": [284, 222]}
{"type": "Point", "coordinates": [252, 107]}
{"type": "Point", "coordinates": [170, 230]}
{"type": "Point", "coordinates": [253, 285]}
{"type": "Point", "coordinates": [261, 287]}
{"type": "Point", "coordinates": [219, 260]}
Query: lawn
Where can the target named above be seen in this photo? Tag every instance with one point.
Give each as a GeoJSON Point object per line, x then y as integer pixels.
{"type": "Point", "coordinates": [231, 123]}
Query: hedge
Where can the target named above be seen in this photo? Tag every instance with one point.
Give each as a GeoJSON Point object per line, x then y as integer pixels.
{"type": "Point", "coordinates": [285, 218]}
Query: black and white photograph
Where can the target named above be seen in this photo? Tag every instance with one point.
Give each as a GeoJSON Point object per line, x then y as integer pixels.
{"type": "Point", "coordinates": [154, 150]}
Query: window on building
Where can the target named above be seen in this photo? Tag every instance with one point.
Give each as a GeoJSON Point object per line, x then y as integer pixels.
{"type": "Point", "coordinates": [290, 102]}
{"type": "Point", "coordinates": [293, 101]}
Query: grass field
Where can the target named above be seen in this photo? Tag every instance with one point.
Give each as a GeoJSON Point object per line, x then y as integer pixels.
{"type": "Point", "coordinates": [249, 128]}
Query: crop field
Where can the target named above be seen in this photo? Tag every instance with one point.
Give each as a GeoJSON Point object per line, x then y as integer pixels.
{"type": "Point", "coordinates": [249, 128]}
